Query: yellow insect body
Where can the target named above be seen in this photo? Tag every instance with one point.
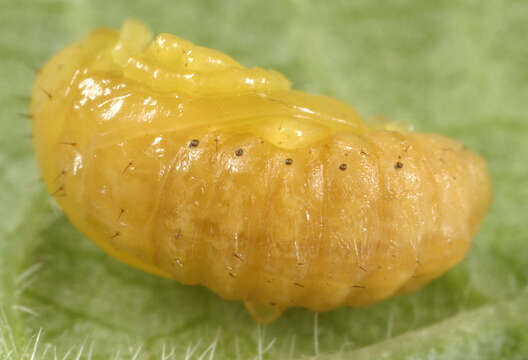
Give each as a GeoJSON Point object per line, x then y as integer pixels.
{"type": "Point", "coordinates": [180, 161]}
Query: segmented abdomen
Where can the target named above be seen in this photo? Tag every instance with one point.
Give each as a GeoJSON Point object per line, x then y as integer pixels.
{"type": "Point", "coordinates": [350, 221]}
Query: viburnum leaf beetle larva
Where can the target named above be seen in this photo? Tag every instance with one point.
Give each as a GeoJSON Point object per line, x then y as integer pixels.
{"type": "Point", "coordinates": [178, 160]}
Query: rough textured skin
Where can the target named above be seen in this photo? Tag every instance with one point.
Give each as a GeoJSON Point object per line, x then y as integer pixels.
{"type": "Point", "coordinates": [258, 192]}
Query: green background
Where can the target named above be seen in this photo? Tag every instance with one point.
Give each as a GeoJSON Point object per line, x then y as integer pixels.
{"type": "Point", "coordinates": [453, 67]}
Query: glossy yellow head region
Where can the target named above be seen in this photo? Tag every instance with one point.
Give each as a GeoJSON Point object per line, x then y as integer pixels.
{"type": "Point", "coordinates": [172, 65]}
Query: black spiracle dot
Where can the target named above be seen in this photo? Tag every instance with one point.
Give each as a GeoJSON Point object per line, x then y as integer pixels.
{"type": "Point", "coordinates": [398, 165]}
{"type": "Point", "coordinates": [288, 161]}
{"type": "Point", "coordinates": [239, 152]}
{"type": "Point", "coordinates": [194, 143]}
{"type": "Point", "coordinates": [343, 167]}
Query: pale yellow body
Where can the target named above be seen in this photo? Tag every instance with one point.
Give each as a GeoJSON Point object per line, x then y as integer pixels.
{"type": "Point", "coordinates": [180, 161]}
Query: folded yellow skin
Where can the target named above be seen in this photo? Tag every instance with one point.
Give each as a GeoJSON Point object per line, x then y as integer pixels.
{"type": "Point", "coordinates": [180, 161]}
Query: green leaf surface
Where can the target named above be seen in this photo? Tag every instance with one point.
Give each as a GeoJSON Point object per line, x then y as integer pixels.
{"type": "Point", "coordinates": [453, 67]}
